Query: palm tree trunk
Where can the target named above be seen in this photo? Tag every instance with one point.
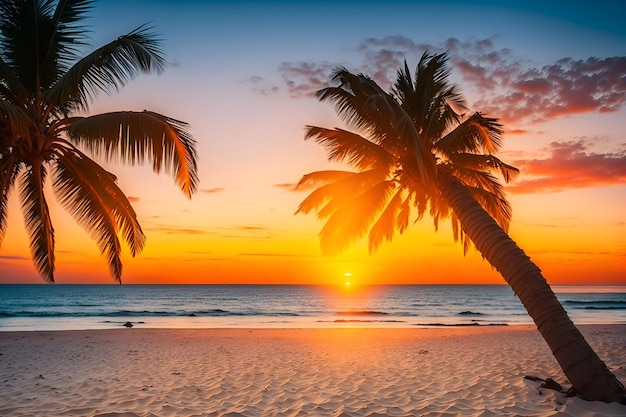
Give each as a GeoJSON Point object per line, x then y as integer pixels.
{"type": "Point", "coordinates": [589, 376]}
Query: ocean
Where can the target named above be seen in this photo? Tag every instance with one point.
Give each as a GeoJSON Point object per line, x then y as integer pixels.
{"type": "Point", "coordinates": [78, 307]}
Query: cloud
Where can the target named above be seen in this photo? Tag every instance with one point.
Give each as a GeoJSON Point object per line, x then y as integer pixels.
{"type": "Point", "coordinates": [570, 165]}
{"type": "Point", "coordinates": [14, 258]}
{"type": "Point", "coordinates": [303, 79]}
{"type": "Point", "coordinates": [250, 228]}
{"type": "Point", "coordinates": [172, 230]}
{"type": "Point", "coordinates": [510, 87]}
{"type": "Point", "coordinates": [278, 255]}
{"type": "Point", "coordinates": [212, 190]}
{"type": "Point", "coordinates": [262, 86]}
{"type": "Point", "coordinates": [512, 132]}
{"type": "Point", "coordinates": [566, 87]}
{"type": "Point", "coordinates": [571, 252]}
{"type": "Point", "coordinates": [133, 199]}
{"type": "Point", "coordinates": [293, 187]}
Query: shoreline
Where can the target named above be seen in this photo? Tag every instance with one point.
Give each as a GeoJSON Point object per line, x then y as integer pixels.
{"type": "Point", "coordinates": [134, 372]}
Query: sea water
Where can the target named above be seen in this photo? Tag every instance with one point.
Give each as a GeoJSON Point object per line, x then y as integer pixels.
{"type": "Point", "coordinates": [77, 307]}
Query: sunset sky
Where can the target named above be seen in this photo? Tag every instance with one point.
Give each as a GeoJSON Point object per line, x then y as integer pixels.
{"type": "Point", "coordinates": [243, 75]}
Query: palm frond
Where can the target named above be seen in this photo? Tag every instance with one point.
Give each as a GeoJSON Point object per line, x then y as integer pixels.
{"type": "Point", "coordinates": [387, 223]}
{"type": "Point", "coordinates": [16, 121]}
{"type": "Point", "coordinates": [463, 162]}
{"type": "Point", "coordinates": [353, 218]}
{"type": "Point", "coordinates": [130, 137]}
{"type": "Point", "coordinates": [476, 134]}
{"type": "Point", "coordinates": [11, 88]}
{"type": "Point", "coordinates": [363, 104]}
{"type": "Point", "coordinates": [9, 170]}
{"type": "Point", "coordinates": [106, 69]}
{"type": "Point", "coordinates": [322, 177]}
{"type": "Point", "coordinates": [37, 219]}
{"type": "Point", "coordinates": [341, 145]}
{"type": "Point", "coordinates": [495, 204]}
{"type": "Point", "coordinates": [430, 100]}
{"type": "Point", "coordinates": [68, 34]}
{"type": "Point", "coordinates": [432, 81]}
{"type": "Point", "coordinates": [338, 186]}
{"type": "Point", "coordinates": [404, 213]}
{"type": "Point", "coordinates": [93, 198]}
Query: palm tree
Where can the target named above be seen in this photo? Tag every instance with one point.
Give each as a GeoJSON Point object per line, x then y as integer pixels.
{"type": "Point", "coordinates": [45, 89]}
{"type": "Point", "coordinates": [420, 152]}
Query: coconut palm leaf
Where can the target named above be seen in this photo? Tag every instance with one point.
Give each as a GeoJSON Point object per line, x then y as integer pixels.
{"type": "Point", "coordinates": [76, 176]}
{"type": "Point", "coordinates": [430, 99]}
{"type": "Point", "coordinates": [106, 69]}
{"type": "Point", "coordinates": [339, 187]}
{"type": "Point", "coordinates": [130, 137]}
{"type": "Point", "coordinates": [90, 194]}
{"type": "Point", "coordinates": [495, 204]}
{"type": "Point", "coordinates": [11, 88]}
{"type": "Point", "coordinates": [322, 177]}
{"type": "Point", "coordinates": [341, 144]}
{"type": "Point", "coordinates": [361, 103]}
{"type": "Point", "coordinates": [475, 134]}
{"type": "Point", "coordinates": [351, 219]}
{"type": "Point", "coordinates": [16, 121]}
{"type": "Point", "coordinates": [364, 105]}
{"type": "Point", "coordinates": [478, 162]}
{"type": "Point", "coordinates": [9, 170]}
{"type": "Point", "coordinates": [37, 220]}
{"type": "Point", "coordinates": [69, 33]}
{"type": "Point", "coordinates": [388, 222]}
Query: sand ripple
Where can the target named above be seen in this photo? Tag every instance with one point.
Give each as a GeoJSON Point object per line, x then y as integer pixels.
{"type": "Point", "coordinates": [315, 372]}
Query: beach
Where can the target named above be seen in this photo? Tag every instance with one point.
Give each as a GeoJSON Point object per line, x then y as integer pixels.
{"type": "Point", "coordinates": [442, 371]}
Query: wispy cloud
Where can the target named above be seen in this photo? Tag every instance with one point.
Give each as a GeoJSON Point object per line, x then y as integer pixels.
{"type": "Point", "coordinates": [250, 228]}
{"type": "Point", "coordinates": [13, 258]}
{"type": "Point", "coordinates": [173, 230]}
{"type": "Point", "coordinates": [570, 165]}
{"type": "Point", "coordinates": [212, 190]}
{"type": "Point", "coordinates": [262, 86]}
{"type": "Point", "coordinates": [303, 79]}
{"type": "Point", "coordinates": [292, 186]}
{"type": "Point", "coordinates": [277, 255]}
{"type": "Point", "coordinates": [511, 88]}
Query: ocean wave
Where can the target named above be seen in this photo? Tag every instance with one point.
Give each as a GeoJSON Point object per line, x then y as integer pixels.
{"type": "Point", "coordinates": [147, 313]}
{"type": "Point", "coordinates": [595, 305]}
{"type": "Point", "coordinates": [459, 324]}
{"type": "Point", "coordinates": [361, 313]}
{"type": "Point", "coordinates": [360, 321]}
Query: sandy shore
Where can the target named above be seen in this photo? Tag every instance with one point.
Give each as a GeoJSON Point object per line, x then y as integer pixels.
{"type": "Point", "coordinates": [293, 372]}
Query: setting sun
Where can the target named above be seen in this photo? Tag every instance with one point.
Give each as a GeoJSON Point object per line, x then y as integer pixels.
{"type": "Point", "coordinates": [347, 275]}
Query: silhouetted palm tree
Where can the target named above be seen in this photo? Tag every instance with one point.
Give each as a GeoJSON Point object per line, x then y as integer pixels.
{"type": "Point", "coordinates": [45, 91]}
{"type": "Point", "coordinates": [419, 152]}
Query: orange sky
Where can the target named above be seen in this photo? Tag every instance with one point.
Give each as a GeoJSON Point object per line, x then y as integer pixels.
{"type": "Point", "coordinates": [246, 91]}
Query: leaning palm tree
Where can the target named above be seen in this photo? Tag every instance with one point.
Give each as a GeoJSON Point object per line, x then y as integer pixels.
{"type": "Point", "coordinates": [419, 152]}
{"type": "Point", "coordinates": [46, 87]}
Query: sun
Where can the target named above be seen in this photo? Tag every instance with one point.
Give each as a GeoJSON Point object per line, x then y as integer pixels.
{"type": "Point", "coordinates": [347, 275]}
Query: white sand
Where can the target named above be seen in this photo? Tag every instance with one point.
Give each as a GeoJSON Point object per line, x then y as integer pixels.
{"type": "Point", "coordinates": [293, 372]}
